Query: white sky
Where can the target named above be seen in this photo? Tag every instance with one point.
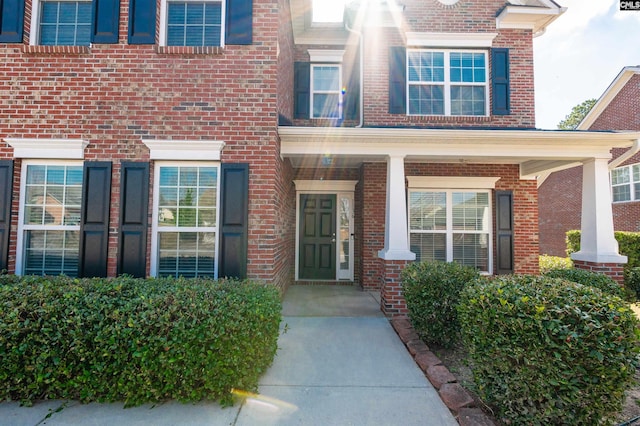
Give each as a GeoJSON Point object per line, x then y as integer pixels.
{"type": "Point", "coordinates": [580, 55]}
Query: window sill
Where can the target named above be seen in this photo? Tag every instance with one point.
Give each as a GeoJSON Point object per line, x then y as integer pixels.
{"type": "Point", "coordinates": [55, 50]}
{"type": "Point", "coordinates": [189, 50]}
{"type": "Point", "coordinates": [451, 118]}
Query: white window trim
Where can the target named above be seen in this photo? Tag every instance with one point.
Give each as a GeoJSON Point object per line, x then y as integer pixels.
{"type": "Point", "coordinates": [34, 36]}
{"type": "Point", "coordinates": [630, 184]}
{"type": "Point", "coordinates": [449, 232]}
{"type": "Point", "coordinates": [21, 209]}
{"type": "Point", "coordinates": [153, 269]}
{"type": "Point", "coordinates": [72, 149]}
{"type": "Point", "coordinates": [447, 83]}
{"type": "Point", "coordinates": [312, 91]}
{"type": "Point", "coordinates": [450, 40]}
{"type": "Point", "coordinates": [184, 150]}
{"type": "Point", "coordinates": [325, 55]}
{"type": "Point", "coordinates": [164, 16]}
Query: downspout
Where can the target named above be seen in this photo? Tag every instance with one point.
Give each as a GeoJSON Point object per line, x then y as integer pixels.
{"type": "Point", "coordinates": [361, 54]}
{"type": "Point", "coordinates": [624, 157]}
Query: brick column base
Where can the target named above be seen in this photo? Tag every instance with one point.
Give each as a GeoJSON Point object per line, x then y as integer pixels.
{"type": "Point", "coordinates": [392, 301]}
{"type": "Point", "coordinates": [613, 270]}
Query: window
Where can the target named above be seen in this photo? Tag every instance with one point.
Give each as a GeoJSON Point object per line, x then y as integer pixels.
{"type": "Point", "coordinates": [185, 218]}
{"type": "Point", "coordinates": [450, 83]}
{"type": "Point", "coordinates": [327, 11]}
{"type": "Point", "coordinates": [193, 23]}
{"type": "Point", "coordinates": [65, 23]}
{"type": "Point", "coordinates": [49, 219]}
{"type": "Point", "coordinates": [451, 226]}
{"type": "Point", "coordinates": [625, 183]}
{"type": "Point", "coordinates": [326, 92]}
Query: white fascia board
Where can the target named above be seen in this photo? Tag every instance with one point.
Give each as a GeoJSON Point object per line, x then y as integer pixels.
{"type": "Point", "coordinates": [326, 55]}
{"type": "Point", "coordinates": [189, 150]}
{"type": "Point", "coordinates": [466, 40]}
{"type": "Point", "coordinates": [72, 149]}
{"type": "Point", "coordinates": [325, 185]}
{"type": "Point", "coordinates": [528, 18]}
{"type": "Point", "coordinates": [452, 182]}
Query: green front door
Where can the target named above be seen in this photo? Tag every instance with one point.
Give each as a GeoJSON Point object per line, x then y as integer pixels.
{"type": "Point", "coordinates": [317, 237]}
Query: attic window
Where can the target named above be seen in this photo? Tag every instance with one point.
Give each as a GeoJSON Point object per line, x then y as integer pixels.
{"type": "Point", "coordinates": [327, 11]}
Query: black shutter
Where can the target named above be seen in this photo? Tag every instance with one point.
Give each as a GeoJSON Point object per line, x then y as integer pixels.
{"type": "Point", "coordinates": [234, 200]}
{"type": "Point", "coordinates": [500, 81]}
{"type": "Point", "coordinates": [134, 205]}
{"type": "Point", "coordinates": [301, 89]}
{"type": "Point", "coordinates": [397, 80]}
{"type": "Point", "coordinates": [106, 18]}
{"type": "Point", "coordinates": [142, 21]}
{"type": "Point", "coordinates": [11, 21]}
{"type": "Point", "coordinates": [94, 220]}
{"type": "Point", "coordinates": [504, 232]}
{"type": "Point", "coordinates": [6, 191]}
{"type": "Point", "coordinates": [352, 95]}
{"type": "Point", "coordinates": [239, 22]}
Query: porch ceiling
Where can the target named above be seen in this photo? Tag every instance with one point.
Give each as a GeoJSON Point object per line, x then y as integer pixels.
{"type": "Point", "coordinates": [537, 152]}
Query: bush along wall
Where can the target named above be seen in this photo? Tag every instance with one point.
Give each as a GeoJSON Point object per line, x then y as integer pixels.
{"type": "Point", "coordinates": [432, 291]}
{"type": "Point", "coordinates": [549, 351]}
{"type": "Point", "coordinates": [134, 340]}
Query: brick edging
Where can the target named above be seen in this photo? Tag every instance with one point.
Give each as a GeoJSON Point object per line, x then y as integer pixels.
{"type": "Point", "coordinates": [457, 399]}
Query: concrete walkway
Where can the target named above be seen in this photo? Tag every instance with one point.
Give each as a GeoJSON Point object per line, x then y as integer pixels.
{"type": "Point", "coordinates": [339, 362]}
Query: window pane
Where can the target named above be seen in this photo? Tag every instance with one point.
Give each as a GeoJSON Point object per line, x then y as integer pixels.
{"type": "Point", "coordinates": [426, 100]}
{"type": "Point", "coordinates": [51, 253]}
{"type": "Point", "coordinates": [470, 211]}
{"type": "Point", "coordinates": [467, 67]}
{"type": "Point", "coordinates": [194, 23]}
{"type": "Point", "coordinates": [467, 100]}
{"type": "Point", "coordinates": [326, 78]}
{"type": "Point", "coordinates": [326, 105]}
{"type": "Point", "coordinates": [427, 211]}
{"type": "Point", "coordinates": [187, 254]}
{"type": "Point", "coordinates": [620, 175]}
{"type": "Point", "coordinates": [621, 193]}
{"type": "Point", "coordinates": [426, 66]}
{"type": "Point", "coordinates": [471, 250]}
{"type": "Point", "coordinates": [65, 23]}
{"type": "Point", "coordinates": [429, 246]}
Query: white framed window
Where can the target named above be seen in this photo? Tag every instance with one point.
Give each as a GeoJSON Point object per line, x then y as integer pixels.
{"type": "Point", "coordinates": [326, 91]}
{"type": "Point", "coordinates": [61, 23]}
{"type": "Point", "coordinates": [327, 12]}
{"type": "Point", "coordinates": [192, 23]}
{"type": "Point", "coordinates": [625, 183]}
{"type": "Point", "coordinates": [447, 82]}
{"type": "Point", "coordinates": [451, 225]}
{"type": "Point", "coordinates": [49, 218]}
{"type": "Point", "coordinates": [185, 217]}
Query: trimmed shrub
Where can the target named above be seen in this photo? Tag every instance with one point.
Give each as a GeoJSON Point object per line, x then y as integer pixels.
{"type": "Point", "coordinates": [632, 280]}
{"type": "Point", "coordinates": [628, 245]}
{"type": "Point", "coordinates": [589, 278]}
{"type": "Point", "coordinates": [548, 351]}
{"type": "Point", "coordinates": [548, 263]}
{"type": "Point", "coordinates": [432, 291]}
{"type": "Point", "coordinates": [134, 340]}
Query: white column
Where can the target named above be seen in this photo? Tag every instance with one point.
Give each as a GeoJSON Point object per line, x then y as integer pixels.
{"type": "Point", "coordinates": [597, 241]}
{"type": "Point", "coordinates": [396, 234]}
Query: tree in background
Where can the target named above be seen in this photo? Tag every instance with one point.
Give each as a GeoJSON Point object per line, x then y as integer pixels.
{"type": "Point", "coordinates": [578, 113]}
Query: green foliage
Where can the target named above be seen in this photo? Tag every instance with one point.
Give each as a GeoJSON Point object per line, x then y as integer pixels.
{"type": "Point", "coordinates": [432, 291]}
{"type": "Point", "coordinates": [548, 263]}
{"type": "Point", "coordinates": [592, 279]}
{"type": "Point", "coordinates": [547, 351]}
{"type": "Point", "coordinates": [577, 114]}
{"type": "Point", "coordinates": [134, 340]}
{"type": "Point", "coordinates": [632, 281]}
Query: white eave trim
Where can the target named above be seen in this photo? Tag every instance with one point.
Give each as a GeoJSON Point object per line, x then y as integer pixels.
{"type": "Point", "coordinates": [72, 149]}
{"type": "Point", "coordinates": [207, 150]}
{"type": "Point", "coordinates": [325, 55]}
{"type": "Point", "coordinates": [529, 18]}
{"type": "Point", "coordinates": [467, 40]}
{"type": "Point", "coordinates": [452, 182]}
{"type": "Point", "coordinates": [325, 185]}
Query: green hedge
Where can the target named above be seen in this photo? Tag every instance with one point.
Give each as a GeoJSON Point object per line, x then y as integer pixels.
{"type": "Point", "coordinates": [628, 245]}
{"type": "Point", "coordinates": [547, 351]}
{"type": "Point", "coordinates": [432, 291]}
{"type": "Point", "coordinates": [592, 279]}
{"type": "Point", "coordinates": [134, 340]}
{"type": "Point", "coordinates": [548, 263]}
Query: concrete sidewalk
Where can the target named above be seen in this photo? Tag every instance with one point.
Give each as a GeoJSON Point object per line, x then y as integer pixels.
{"type": "Point", "coordinates": [339, 362]}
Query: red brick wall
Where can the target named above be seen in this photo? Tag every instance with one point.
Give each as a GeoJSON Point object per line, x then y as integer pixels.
{"type": "Point", "coordinates": [623, 112]}
{"type": "Point", "coordinates": [115, 95]}
{"type": "Point", "coordinates": [372, 188]}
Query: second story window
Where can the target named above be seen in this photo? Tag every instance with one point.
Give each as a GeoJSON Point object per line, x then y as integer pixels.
{"type": "Point", "coordinates": [450, 83]}
{"type": "Point", "coordinates": [625, 183]}
{"type": "Point", "coordinates": [326, 92]}
{"type": "Point", "coordinates": [193, 23]}
{"type": "Point", "coordinates": [65, 23]}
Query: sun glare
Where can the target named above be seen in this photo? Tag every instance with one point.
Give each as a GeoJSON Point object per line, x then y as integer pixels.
{"type": "Point", "coordinates": [328, 11]}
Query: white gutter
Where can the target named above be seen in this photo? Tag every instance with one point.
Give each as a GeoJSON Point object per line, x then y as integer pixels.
{"type": "Point", "coordinates": [361, 82]}
{"type": "Point", "coordinates": [624, 157]}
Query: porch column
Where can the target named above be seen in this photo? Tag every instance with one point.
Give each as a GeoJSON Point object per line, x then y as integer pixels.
{"type": "Point", "coordinates": [396, 253]}
{"type": "Point", "coordinates": [598, 246]}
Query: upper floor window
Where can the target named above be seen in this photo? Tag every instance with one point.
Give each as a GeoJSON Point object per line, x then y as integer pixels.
{"type": "Point", "coordinates": [625, 183]}
{"type": "Point", "coordinates": [444, 82]}
{"type": "Point", "coordinates": [326, 92]}
{"type": "Point", "coordinates": [192, 23]}
{"type": "Point", "coordinates": [64, 23]}
{"type": "Point", "coordinates": [327, 11]}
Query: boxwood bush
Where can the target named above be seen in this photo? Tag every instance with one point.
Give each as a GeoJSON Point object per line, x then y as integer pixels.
{"type": "Point", "coordinates": [548, 263]}
{"type": "Point", "coordinates": [593, 279]}
{"type": "Point", "coordinates": [134, 340]}
{"type": "Point", "coordinates": [432, 291]}
{"type": "Point", "coordinates": [548, 351]}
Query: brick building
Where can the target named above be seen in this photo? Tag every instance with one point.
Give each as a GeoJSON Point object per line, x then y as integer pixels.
{"type": "Point", "coordinates": [561, 192]}
{"type": "Point", "coordinates": [259, 138]}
